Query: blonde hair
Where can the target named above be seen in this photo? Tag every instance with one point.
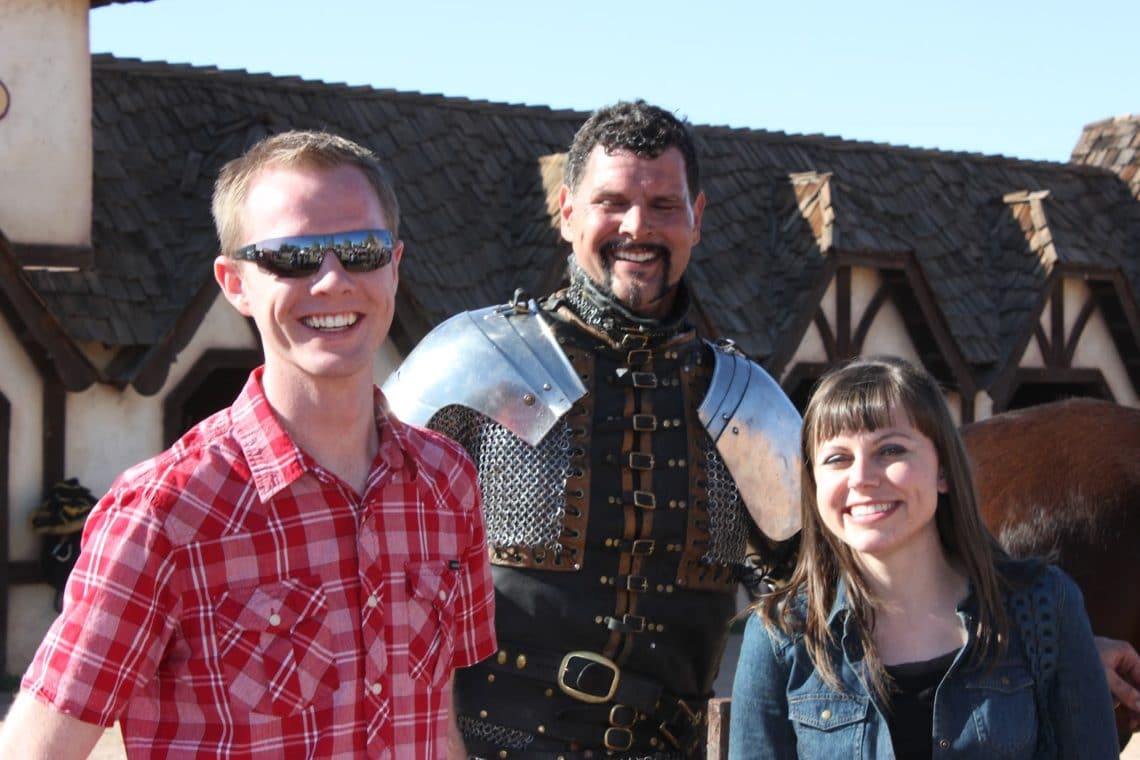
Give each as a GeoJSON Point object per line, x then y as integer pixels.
{"type": "Point", "coordinates": [296, 148]}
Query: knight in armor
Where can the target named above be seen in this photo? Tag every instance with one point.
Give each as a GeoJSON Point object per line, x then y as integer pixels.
{"type": "Point", "coordinates": [633, 472]}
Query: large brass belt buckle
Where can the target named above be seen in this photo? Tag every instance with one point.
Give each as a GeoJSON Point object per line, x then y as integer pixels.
{"type": "Point", "coordinates": [577, 690]}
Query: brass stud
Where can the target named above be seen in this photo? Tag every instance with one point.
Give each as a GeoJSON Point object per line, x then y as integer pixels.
{"type": "Point", "coordinates": [490, 678]}
{"type": "Point", "coordinates": [503, 754]}
{"type": "Point", "coordinates": [669, 589]}
{"type": "Point", "coordinates": [501, 657]}
{"type": "Point", "coordinates": [599, 619]}
{"type": "Point", "coordinates": [680, 462]}
{"type": "Point", "coordinates": [549, 692]}
{"type": "Point", "coordinates": [826, 715]}
{"type": "Point", "coordinates": [542, 729]}
{"type": "Point", "coordinates": [482, 713]}
{"type": "Point", "coordinates": [520, 662]}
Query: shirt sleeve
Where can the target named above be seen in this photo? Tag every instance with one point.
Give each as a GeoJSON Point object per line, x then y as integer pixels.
{"type": "Point", "coordinates": [1080, 702]}
{"type": "Point", "coordinates": [475, 616]}
{"type": "Point", "coordinates": [116, 618]}
{"type": "Point", "coordinates": [758, 725]}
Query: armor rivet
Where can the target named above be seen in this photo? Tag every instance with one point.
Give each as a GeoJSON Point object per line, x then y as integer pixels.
{"type": "Point", "coordinates": [482, 713]}
{"type": "Point", "coordinates": [490, 678]}
{"type": "Point", "coordinates": [546, 386]}
{"type": "Point", "coordinates": [520, 662]}
{"type": "Point", "coordinates": [528, 399]}
{"type": "Point", "coordinates": [501, 657]}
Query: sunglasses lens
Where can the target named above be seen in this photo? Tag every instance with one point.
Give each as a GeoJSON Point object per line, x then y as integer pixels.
{"type": "Point", "coordinates": [360, 251]}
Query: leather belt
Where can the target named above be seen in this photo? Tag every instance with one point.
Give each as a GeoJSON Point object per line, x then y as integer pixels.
{"type": "Point", "coordinates": [594, 679]}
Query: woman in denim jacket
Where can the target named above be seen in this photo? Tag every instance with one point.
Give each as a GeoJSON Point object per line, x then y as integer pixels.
{"type": "Point", "coordinates": [905, 631]}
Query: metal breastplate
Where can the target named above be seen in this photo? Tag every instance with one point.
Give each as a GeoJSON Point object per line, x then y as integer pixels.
{"type": "Point", "coordinates": [647, 456]}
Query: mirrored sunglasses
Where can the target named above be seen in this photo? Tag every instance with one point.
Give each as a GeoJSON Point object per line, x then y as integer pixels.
{"type": "Point", "coordinates": [302, 255]}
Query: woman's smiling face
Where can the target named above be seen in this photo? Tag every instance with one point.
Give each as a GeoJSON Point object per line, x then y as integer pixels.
{"type": "Point", "coordinates": [877, 490]}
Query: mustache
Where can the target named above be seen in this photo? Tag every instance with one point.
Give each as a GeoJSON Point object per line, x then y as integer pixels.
{"type": "Point", "coordinates": [611, 247]}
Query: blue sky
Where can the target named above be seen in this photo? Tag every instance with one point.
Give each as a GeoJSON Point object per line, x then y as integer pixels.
{"type": "Point", "coordinates": [1004, 76]}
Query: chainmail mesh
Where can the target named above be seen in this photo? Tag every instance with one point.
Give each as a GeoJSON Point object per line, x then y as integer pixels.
{"type": "Point", "coordinates": [728, 526]}
{"type": "Point", "coordinates": [490, 733]}
{"type": "Point", "coordinates": [526, 484]}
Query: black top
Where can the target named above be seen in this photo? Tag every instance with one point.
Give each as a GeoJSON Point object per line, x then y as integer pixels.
{"type": "Point", "coordinates": [910, 712]}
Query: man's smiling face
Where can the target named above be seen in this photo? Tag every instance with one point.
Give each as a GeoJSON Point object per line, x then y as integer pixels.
{"type": "Point", "coordinates": [633, 225]}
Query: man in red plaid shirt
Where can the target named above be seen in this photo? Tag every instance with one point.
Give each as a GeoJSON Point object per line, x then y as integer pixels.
{"type": "Point", "coordinates": [301, 573]}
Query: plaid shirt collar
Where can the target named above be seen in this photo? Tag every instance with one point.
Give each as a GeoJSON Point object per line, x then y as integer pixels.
{"type": "Point", "coordinates": [276, 461]}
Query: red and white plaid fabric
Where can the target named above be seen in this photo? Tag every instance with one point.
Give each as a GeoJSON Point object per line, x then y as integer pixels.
{"type": "Point", "coordinates": [234, 599]}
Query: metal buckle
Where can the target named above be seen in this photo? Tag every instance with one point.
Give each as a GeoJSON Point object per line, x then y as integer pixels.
{"type": "Point", "coordinates": [689, 720]}
{"type": "Point", "coordinates": [644, 423]}
{"type": "Point", "coordinates": [634, 340]}
{"type": "Point", "coordinates": [643, 379]}
{"type": "Point", "coordinates": [639, 460]}
{"type": "Point", "coordinates": [636, 583]}
{"type": "Point", "coordinates": [644, 500]}
{"type": "Point", "coordinates": [618, 739]}
{"type": "Point", "coordinates": [638, 356]}
{"type": "Point", "coordinates": [579, 694]}
{"type": "Point", "coordinates": [623, 716]}
{"type": "Point", "coordinates": [642, 547]}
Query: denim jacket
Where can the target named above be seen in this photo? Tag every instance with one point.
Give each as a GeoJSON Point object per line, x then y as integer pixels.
{"type": "Point", "coordinates": [781, 708]}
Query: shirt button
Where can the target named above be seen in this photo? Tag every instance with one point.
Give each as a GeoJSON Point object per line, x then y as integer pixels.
{"type": "Point", "coordinates": [443, 595]}
{"type": "Point", "coordinates": [376, 688]}
{"type": "Point", "coordinates": [275, 619]}
{"type": "Point", "coordinates": [373, 601]}
{"type": "Point", "coordinates": [826, 715]}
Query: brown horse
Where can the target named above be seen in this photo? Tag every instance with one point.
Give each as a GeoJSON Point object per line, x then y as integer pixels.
{"type": "Point", "coordinates": [1062, 481]}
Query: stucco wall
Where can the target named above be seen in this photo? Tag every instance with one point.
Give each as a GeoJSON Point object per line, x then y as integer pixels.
{"type": "Point", "coordinates": [45, 137]}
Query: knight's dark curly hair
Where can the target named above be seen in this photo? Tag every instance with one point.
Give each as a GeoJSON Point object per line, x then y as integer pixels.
{"type": "Point", "coordinates": [639, 128]}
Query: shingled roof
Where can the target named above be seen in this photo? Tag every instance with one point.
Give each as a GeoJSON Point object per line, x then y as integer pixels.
{"type": "Point", "coordinates": [985, 232]}
{"type": "Point", "coordinates": [1113, 144]}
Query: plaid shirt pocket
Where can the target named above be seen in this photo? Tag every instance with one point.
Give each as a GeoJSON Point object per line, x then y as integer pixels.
{"type": "Point", "coordinates": [431, 641]}
{"type": "Point", "coordinates": [274, 646]}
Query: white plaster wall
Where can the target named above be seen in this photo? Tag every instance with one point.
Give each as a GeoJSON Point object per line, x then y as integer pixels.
{"type": "Point", "coordinates": [1032, 357]}
{"type": "Point", "coordinates": [983, 406]}
{"type": "Point", "coordinates": [888, 335]}
{"type": "Point", "coordinates": [222, 327]}
{"type": "Point", "coordinates": [22, 386]}
{"type": "Point", "coordinates": [1096, 350]}
{"type": "Point", "coordinates": [45, 138]}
